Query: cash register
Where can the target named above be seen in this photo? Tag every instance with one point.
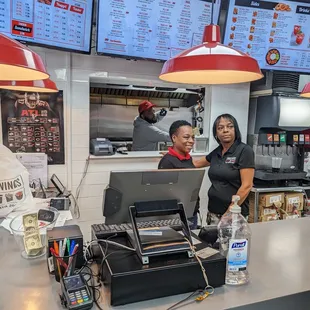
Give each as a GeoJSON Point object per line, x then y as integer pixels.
{"type": "Point", "coordinates": [101, 147]}
{"type": "Point", "coordinates": [140, 208]}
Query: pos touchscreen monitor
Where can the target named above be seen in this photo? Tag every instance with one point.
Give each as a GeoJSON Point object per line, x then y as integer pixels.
{"type": "Point", "coordinates": [129, 187]}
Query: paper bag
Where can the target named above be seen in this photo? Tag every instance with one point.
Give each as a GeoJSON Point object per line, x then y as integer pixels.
{"type": "Point", "coordinates": [15, 192]}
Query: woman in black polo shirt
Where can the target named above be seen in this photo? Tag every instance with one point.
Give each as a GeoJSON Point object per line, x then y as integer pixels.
{"type": "Point", "coordinates": [231, 169]}
{"type": "Point", "coordinates": [178, 157]}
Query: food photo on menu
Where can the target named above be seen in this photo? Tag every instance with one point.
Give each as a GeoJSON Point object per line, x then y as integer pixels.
{"type": "Point", "coordinates": [48, 2]}
{"type": "Point", "coordinates": [34, 123]}
{"type": "Point", "coordinates": [298, 35]}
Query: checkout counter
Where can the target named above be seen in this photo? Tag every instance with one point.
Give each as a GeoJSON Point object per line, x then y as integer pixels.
{"type": "Point", "coordinates": [279, 276]}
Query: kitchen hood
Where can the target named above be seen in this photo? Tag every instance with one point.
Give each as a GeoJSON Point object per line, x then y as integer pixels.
{"type": "Point", "coordinates": [136, 91]}
{"type": "Point", "coordinates": [290, 113]}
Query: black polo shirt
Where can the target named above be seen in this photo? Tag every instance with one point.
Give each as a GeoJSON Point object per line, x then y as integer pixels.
{"type": "Point", "coordinates": [173, 160]}
{"type": "Point", "coordinates": [224, 174]}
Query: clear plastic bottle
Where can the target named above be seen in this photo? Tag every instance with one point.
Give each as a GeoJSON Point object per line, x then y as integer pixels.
{"type": "Point", "coordinates": [235, 238]}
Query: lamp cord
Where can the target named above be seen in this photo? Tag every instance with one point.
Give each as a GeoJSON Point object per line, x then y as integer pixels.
{"type": "Point", "coordinates": [212, 9]}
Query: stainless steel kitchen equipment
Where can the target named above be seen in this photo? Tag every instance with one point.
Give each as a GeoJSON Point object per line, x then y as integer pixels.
{"type": "Point", "coordinates": [113, 108]}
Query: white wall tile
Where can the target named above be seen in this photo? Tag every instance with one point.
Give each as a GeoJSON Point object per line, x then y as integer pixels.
{"type": "Point", "coordinates": [80, 128]}
{"type": "Point", "coordinates": [90, 190]}
{"type": "Point", "coordinates": [95, 178]}
{"type": "Point", "coordinates": [91, 214]}
{"type": "Point", "coordinates": [80, 140]}
{"type": "Point", "coordinates": [80, 115]}
{"type": "Point", "coordinates": [80, 92]}
{"type": "Point", "coordinates": [80, 153]}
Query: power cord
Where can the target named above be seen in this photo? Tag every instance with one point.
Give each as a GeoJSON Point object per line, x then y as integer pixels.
{"type": "Point", "coordinates": [202, 294]}
{"type": "Point", "coordinates": [107, 242]}
{"type": "Point", "coordinates": [95, 287]}
{"type": "Point", "coordinates": [76, 206]}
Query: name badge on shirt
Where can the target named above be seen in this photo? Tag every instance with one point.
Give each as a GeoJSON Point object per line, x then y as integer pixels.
{"type": "Point", "coordinates": [230, 160]}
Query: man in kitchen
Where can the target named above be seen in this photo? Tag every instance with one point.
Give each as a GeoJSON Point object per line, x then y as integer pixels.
{"type": "Point", "coordinates": [145, 134]}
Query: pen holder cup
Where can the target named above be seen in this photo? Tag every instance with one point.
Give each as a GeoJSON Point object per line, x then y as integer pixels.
{"type": "Point", "coordinates": [33, 245]}
{"type": "Point", "coordinates": [64, 265]}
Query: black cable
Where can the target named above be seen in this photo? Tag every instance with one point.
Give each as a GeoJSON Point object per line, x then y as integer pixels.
{"type": "Point", "coordinates": [93, 287]}
{"type": "Point", "coordinates": [212, 10]}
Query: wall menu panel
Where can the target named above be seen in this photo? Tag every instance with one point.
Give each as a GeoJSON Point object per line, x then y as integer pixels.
{"type": "Point", "coordinates": [65, 24]}
{"type": "Point", "coordinates": [276, 34]}
{"type": "Point", "coordinates": [152, 29]}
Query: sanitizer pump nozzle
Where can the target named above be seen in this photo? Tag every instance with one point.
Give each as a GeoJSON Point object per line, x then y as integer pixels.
{"type": "Point", "coordinates": [235, 208]}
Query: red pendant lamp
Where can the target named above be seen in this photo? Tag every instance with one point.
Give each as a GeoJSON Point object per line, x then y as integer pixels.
{"type": "Point", "coordinates": [40, 86]}
{"type": "Point", "coordinates": [211, 63]}
{"type": "Point", "coordinates": [306, 91]}
{"type": "Point", "coordinates": [19, 63]}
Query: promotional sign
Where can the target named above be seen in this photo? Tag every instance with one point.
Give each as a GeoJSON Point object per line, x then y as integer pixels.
{"type": "Point", "coordinates": [152, 29]}
{"type": "Point", "coordinates": [276, 34]}
{"type": "Point", "coordinates": [33, 123]}
{"type": "Point", "coordinates": [64, 24]}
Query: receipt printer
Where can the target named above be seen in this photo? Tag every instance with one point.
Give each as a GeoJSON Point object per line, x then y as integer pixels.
{"type": "Point", "coordinates": [101, 147]}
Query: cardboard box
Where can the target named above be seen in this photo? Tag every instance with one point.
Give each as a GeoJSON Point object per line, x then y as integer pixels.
{"type": "Point", "coordinates": [269, 217]}
{"type": "Point", "coordinates": [294, 202]}
{"type": "Point", "coordinates": [289, 216]}
{"type": "Point", "coordinates": [268, 211]}
{"type": "Point", "coordinates": [266, 208]}
{"type": "Point", "coordinates": [268, 199]}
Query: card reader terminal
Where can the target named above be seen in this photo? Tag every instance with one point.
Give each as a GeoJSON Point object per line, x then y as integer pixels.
{"type": "Point", "coordinates": [76, 294]}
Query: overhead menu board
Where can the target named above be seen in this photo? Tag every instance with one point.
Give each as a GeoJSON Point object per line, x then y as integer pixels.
{"type": "Point", "coordinates": [276, 34]}
{"type": "Point", "coordinates": [152, 29]}
{"type": "Point", "coordinates": [64, 24]}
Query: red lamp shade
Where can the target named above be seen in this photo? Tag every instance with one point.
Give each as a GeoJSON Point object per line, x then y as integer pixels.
{"type": "Point", "coordinates": [306, 91]}
{"type": "Point", "coordinates": [211, 63]}
{"type": "Point", "coordinates": [19, 63]}
{"type": "Point", "coordinates": [44, 86]}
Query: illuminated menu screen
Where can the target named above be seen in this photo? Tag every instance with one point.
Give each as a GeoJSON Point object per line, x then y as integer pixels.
{"type": "Point", "coordinates": [64, 24]}
{"type": "Point", "coordinates": [152, 29]}
{"type": "Point", "coordinates": [276, 34]}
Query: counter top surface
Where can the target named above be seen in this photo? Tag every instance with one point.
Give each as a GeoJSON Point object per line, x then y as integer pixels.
{"type": "Point", "coordinates": [279, 266]}
{"type": "Point", "coordinates": [146, 154]}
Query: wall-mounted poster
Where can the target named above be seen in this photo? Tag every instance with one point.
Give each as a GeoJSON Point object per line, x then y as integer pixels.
{"type": "Point", "coordinates": [34, 123]}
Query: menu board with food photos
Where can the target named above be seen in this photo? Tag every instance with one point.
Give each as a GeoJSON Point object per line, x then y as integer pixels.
{"type": "Point", "coordinates": [34, 123]}
{"type": "Point", "coordinates": [62, 24]}
{"type": "Point", "coordinates": [276, 34]}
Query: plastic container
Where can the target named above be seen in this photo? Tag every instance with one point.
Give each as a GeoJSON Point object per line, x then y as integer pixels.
{"type": "Point", "coordinates": [235, 238]}
{"type": "Point", "coordinates": [46, 221]}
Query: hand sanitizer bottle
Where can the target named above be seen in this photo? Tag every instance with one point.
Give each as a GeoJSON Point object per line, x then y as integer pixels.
{"type": "Point", "coordinates": [235, 236]}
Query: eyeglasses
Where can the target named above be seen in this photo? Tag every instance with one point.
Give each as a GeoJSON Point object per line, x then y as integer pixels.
{"type": "Point", "coordinates": [229, 127]}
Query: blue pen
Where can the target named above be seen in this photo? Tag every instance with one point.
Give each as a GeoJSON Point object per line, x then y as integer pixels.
{"type": "Point", "coordinates": [72, 247]}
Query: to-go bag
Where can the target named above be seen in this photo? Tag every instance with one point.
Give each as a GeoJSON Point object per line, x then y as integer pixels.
{"type": "Point", "coordinates": [14, 184]}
